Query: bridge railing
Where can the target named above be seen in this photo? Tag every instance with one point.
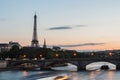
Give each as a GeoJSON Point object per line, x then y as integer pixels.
{"type": "Point", "coordinates": [70, 59]}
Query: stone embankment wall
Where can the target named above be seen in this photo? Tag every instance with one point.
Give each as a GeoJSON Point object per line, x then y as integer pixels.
{"type": "Point", "coordinates": [3, 64]}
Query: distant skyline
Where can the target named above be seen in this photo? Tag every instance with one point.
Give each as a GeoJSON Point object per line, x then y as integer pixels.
{"type": "Point", "coordinates": [71, 24]}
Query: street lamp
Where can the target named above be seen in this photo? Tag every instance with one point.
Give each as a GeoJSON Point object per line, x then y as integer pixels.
{"type": "Point", "coordinates": [92, 54]}
{"type": "Point", "coordinates": [75, 54]}
{"type": "Point", "coordinates": [24, 56]}
{"type": "Point", "coordinates": [57, 55]}
{"type": "Point", "coordinates": [41, 55]}
{"type": "Point", "coordinates": [110, 54]}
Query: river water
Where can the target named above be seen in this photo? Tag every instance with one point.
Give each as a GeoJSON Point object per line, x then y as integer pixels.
{"type": "Point", "coordinates": [39, 75]}
{"type": "Point", "coordinates": [51, 75]}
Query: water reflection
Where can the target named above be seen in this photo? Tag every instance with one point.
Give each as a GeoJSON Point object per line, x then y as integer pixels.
{"type": "Point", "coordinates": [25, 73]}
{"type": "Point", "coordinates": [110, 75]}
{"type": "Point", "coordinates": [92, 75]}
{"type": "Point", "coordinates": [81, 75]}
{"type": "Point", "coordinates": [74, 76]}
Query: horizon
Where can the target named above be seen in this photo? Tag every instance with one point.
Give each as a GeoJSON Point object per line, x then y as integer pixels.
{"type": "Point", "coordinates": [70, 24]}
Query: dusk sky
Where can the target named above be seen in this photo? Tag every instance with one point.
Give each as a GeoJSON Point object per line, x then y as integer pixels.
{"type": "Point", "coordinates": [71, 24]}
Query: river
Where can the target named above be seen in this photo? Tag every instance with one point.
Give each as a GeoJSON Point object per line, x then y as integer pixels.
{"type": "Point", "coordinates": [81, 75]}
{"type": "Point", "coordinates": [51, 75]}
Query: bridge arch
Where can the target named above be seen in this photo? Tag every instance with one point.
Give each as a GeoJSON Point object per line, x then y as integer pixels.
{"type": "Point", "coordinates": [82, 64]}
{"type": "Point", "coordinates": [97, 65]}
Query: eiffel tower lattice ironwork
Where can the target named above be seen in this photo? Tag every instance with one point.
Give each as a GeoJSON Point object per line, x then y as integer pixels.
{"type": "Point", "coordinates": [34, 42]}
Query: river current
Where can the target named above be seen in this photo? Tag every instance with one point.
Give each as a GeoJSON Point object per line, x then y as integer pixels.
{"type": "Point", "coordinates": [41, 75]}
{"type": "Point", "coordinates": [51, 75]}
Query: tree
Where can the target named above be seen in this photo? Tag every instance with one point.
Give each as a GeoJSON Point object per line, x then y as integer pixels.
{"type": "Point", "coordinates": [14, 52]}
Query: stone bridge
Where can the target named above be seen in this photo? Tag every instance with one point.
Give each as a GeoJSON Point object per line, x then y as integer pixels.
{"type": "Point", "coordinates": [79, 62]}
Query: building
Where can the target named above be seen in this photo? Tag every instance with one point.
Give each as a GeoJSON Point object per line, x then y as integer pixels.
{"type": "Point", "coordinates": [7, 46]}
{"type": "Point", "coordinates": [56, 48]}
{"type": "Point", "coordinates": [11, 43]}
{"type": "Point", "coordinates": [4, 47]}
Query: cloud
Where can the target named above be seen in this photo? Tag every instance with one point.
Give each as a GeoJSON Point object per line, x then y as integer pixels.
{"type": "Point", "coordinates": [80, 25]}
{"type": "Point", "coordinates": [65, 27]}
{"type": "Point", "coordinates": [60, 28]}
{"type": "Point", "coordinates": [84, 44]}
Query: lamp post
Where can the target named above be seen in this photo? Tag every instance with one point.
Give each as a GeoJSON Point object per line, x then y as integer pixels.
{"type": "Point", "coordinates": [110, 54]}
{"type": "Point", "coordinates": [41, 55]}
{"type": "Point", "coordinates": [56, 55]}
{"type": "Point", "coordinates": [75, 54]}
{"type": "Point", "coordinates": [92, 54]}
{"type": "Point", "coordinates": [24, 56]}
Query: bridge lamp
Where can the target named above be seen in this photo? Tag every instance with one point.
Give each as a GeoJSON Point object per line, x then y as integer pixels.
{"type": "Point", "coordinates": [75, 54]}
{"type": "Point", "coordinates": [57, 55]}
{"type": "Point", "coordinates": [92, 54]}
{"type": "Point", "coordinates": [110, 54]}
{"type": "Point", "coordinates": [24, 56]}
{"type": "Point", "coordinates": [41, 55]}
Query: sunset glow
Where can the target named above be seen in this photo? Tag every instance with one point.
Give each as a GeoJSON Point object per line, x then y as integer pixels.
{"type": "Point", "coordinates": [70, 24]}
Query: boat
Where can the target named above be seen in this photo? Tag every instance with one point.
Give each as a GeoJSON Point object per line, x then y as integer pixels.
{"type": "Point", "coordinates": [65, 77]}
{"type": "Point", "coordinates": [57, 77]}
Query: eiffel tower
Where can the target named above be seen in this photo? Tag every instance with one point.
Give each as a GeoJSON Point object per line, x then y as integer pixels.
{"type": "Point", "coordinates": [34, 42]}
{"type": "Point", "coordinates": [44, 45]}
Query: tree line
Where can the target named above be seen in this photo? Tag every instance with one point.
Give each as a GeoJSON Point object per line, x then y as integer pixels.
{"type": "Point", "coordinates": [47, 53]}
{"type": "Point", "coordinates": [38, 53]}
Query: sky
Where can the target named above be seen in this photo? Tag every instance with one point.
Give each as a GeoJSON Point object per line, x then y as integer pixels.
{"type": "Point", "coordinates": [70, 24]}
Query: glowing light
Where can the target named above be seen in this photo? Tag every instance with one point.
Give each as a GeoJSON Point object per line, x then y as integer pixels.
{"type": "Point", "coordinates": [41, 55]}
{"type": "Point", "coordinates": [75, 54]}
{"type": "Point", "coordinates": [24, 56]}
{"type": "Point", "coordinates": [24, 73]}
{"type": "Point", "coordinates": [110, 75]}
{"type": "Point", "coordinates": [92, 54]}
{"type": "Point", "coordinates": [92, 75]}
{"type": "Point", "coordinates": [57, 55]}
{"type": "Point", "coordinates": [62, 77]}
{"type": "Point", "coordinates": [110, 54]}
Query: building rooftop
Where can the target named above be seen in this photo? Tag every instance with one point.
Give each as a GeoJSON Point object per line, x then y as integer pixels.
{"type": "Point", "coordinates": [4, 45]}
